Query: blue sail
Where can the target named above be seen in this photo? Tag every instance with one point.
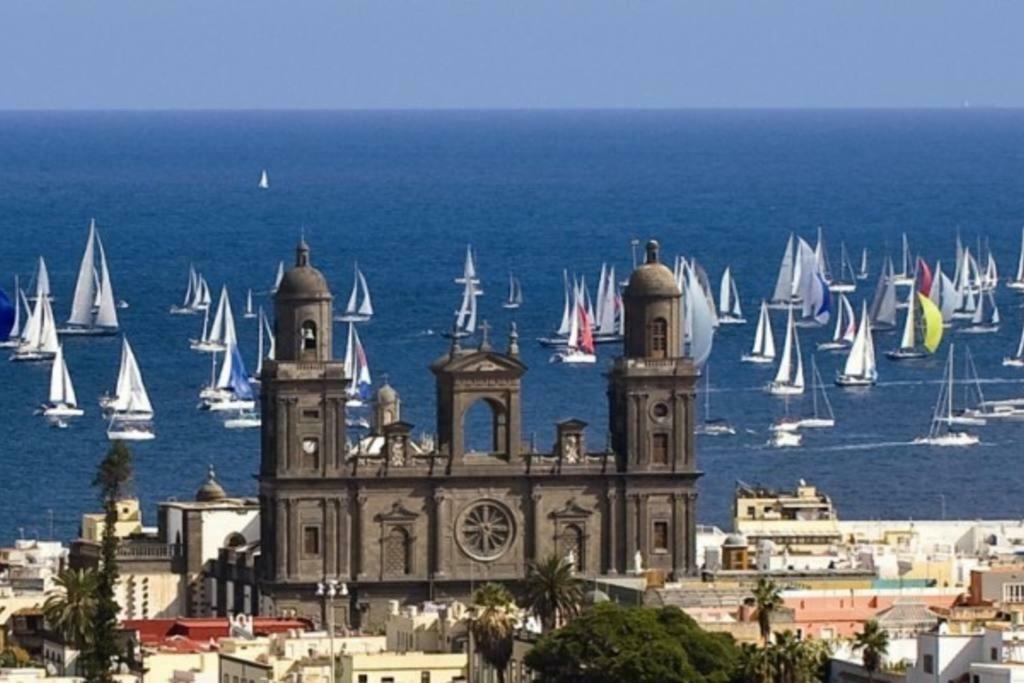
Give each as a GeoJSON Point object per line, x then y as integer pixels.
{"type": "Point", "coordinates": [239, 377]}
{"type": "Point", "coordinates": [6, 316]}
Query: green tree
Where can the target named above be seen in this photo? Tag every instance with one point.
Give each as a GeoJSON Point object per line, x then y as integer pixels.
{"type": "Point", "coordinates": [112, 479]}
{"type": "Point", "coordinates": [553, 592]}
{"type": "Point", "coordinates": [493, 624]}
{"type": "Point", "coordinates": [873, 644]}
{"type": "Point", "coordinates": [768, 598]}
{"type": "Point", "coordinates": [14, 658]}
{"type": "Point", "coordinates": [611, 643]}
{"type": "Point", "coordinates": [71, 609]}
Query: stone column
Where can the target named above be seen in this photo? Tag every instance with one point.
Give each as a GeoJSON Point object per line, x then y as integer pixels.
{"type": "Point", "coordinates": [634, 445]}
{"type": "Point", "coordinates": [679, 534]}
{"type": "Point", "coordinates": [611, 510]}
{"type": "Point", "coordinates": [292, 545]}
{"type": "Point", "coordinates": [282, 451]}
{"type": "Point", "coordinates": [359, 534]}
{"type": "Point", "coordinates": [632, 502]}
{"type": "Point", "coordinates": [535, 519]}
{"type": "Point", "coordinates": [642, 520]}
{"type": "Point", "coordinates": [293, 448]}
{"type": "Point", "coordinates": [691, 533]}
{"type": "Point", "coordinates": [280, 539]}
{"type": "Point", "coordinates": [344, 538]}
{"type": "Point", "coordinates": [442, 533]}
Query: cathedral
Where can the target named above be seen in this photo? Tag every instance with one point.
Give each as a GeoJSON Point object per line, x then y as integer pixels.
{"type": "Point", "coordinates": [399, 520]}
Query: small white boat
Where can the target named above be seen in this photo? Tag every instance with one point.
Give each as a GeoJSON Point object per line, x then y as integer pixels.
{"type": "Point", "coordinates": [986, 317]}
{"type": "Point", "coordinates": [357, 370]}
{"type": "Point", "coordinates": [232, 391]}
{"type": "Point", "coordinates": [905, 276]}
{"type": "Point", "coordinates": [220, 335]}
{"type": "Point", "coordinates": [465, 317]}
{"type": "Point", "coordinates": [785, 283]}
{"type": "Point", "coordinates": [360, 306]}
{"type": "Point", "coordinates": [130, 400]}
{"type": "Point", "coordinates": [515, 294]}
{"type": "Point", "coordinates": [93, 307]}
{"type": "Point", "coordinates": [763, 352]}
{"type": "Point", "coordinates": [1017, 283]}
{"type": "Point", "coordinates": [845, 330]}
{"type": "Point", "coordinates": [561, 333]}
{"type": "Point", "coordinates": [119, 430]}
{"type": "Point", "coordinates": [783, 438]}
{"type": "Point", "coordinates": [39, 335]}
{"type": "Point", "coordinates": [940, 433]}
{"type": "Point", "coordinates": [729, 310]}
{"type": "Point", "coordinates": [712, 426]}
{"type": "Point", "coordinates": [860, 369]}
{"type": "Point", "coordinates": [862, 272]}
{"type": "Point", "coordinates": [264, 183]}
{"type": "Point", "coordinates": [847, 280]}
{"type": "Point", "coordinates": [822, 416]}
{"type": "Point", "coordinates": [469, 276]}
{"type": "Point", "coordinates": [62, 401]}
{"type": "Point", "coordinates": [922, 332]}
{"type": "Point", "coordinates": [789, 378]}
{"type": "Point", "coordinates": [1017, 359]}
{"type": "Point", "coordinates": [243, 420]}
{"type": "Point", "coordinates": [579, 348]}
{"type": "Point", "coordinates": [249, 311]}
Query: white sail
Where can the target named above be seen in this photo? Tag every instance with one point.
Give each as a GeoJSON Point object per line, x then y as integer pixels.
{"type": "Point", "coordinates": [215, 333]}
{"type": "Point", "coordinates": [31, 331]}
{"type": "Point", "coordinates": [725, 292]}
{"type": "Point", "coordinates": [860, 363]}
{"type": "Point", "coordinates": [366, 307]}
{"type": "Point", "coordinates": [42, 279]}
{"type": "Point", "coordinates": [249, 311]}
{"type": "Point", "coordinates": [909, 339]}
{"type": "Point", "coordinates": [48, 342]}
{"type": "Point", "coordinates": [19, 299]}
{"type": "Point", "coordinates": [106, 315]}
{"type": "Point", "coordinates": [264, 180]}
{"type": "Point", "coordinates": [85, 286]}
{"type": "Point", "coordinates": [1019, 278]}
{"type": "Point", "coordinates": [191, 288]}
{"type": "Point", "coordinates": [791, 359]}
{"type": "Point", "coordinates": [567, 315]}
{"type": "Point", "coordinates": [701, 331]}
{"type": "Point", "coordinates": [465, 320]}
{"type": "Point", "coordinates": [131, 395]}
{"type": "Point", "coordinates": [862, 272]}
{"type": "Point", "coordinates": [821, 257]}
{"type": "Point", "coordinates": [784, 281]}
{"type": "Point", "coordinates": [62, 391]}
{"type": "Point", "coordinates": [224, 376]}
{"type": "Point", "coordinates": [278, 277]}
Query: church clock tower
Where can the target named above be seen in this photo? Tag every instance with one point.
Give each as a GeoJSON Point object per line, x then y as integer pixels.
{"type": "Point", "coordinates": [651, 400]}
{"type": "Point", "coordinates": [303, 444]}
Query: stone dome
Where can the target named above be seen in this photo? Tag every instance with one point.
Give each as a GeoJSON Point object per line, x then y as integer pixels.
{"type": "Point", "coordinates": [735, 541]}
{"type": "Point", "coordinates": [210, 491]}
{"type": "Point", "coordinates": [386, 394]}
{"type": "Point", "coordinates": [653, 278]}
{"type": "Point", "coordinates": [303, 281]}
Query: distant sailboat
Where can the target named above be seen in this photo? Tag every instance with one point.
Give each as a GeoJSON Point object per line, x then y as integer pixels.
{"type": "Point", "coordinates": [1017, 359]}
{"type": "Point", "coordinates": [42, 280]}
{"type": "Point", "coordinates": [789, 378]}
{"type": "Point", "coordinates": [905, 276]}
{"type": "Point", "coordinates": [579, 348]}
{"type": "Point", "coordinates": [784, 432]}
{"type": "Point", "coordinates": [264, 183]}
{"type": "Point", "coordinates": [1017, 283]}
{"type": "Point", "coordinates": [278, 277]}
{"type": "Point", "coordinates": [249, 312]}
{"type": "Point", "coordinates": [515, 293]}
{"type": "Point", "coordinates": [698, 318]}
{"type": "Point", "coordinates": [782, 296]}
{"type": "Point", "coordinates": [360, 306]}
{"type": "Point", "coordinates": [93, 308]}
{"type": "Point", "coordinates": [860, 369]}
{"type": "Point", "coordinates": [846, 282]}
{"type": "Point", "coordinates": [39, 334]}
{"type": "Point", "coordinates": [941, 433]}
{"type": "Point", "coordinates": [266, 346]}
{"type": "Point", "coordinates": [232, 389]}
{"type": "Point", "coordinates": [862, 272]}
{"type": "Point", "coordinates": [469, 274]}
{"type": "Point", "coordinates": [221, 334]}
{"type": "Point", "coordinates": [465, 317]}
{"type": "Point", "coordinates": [62, 400]}
{"type": "Point", "coordinates": [920, 338]}
{"type": "Point", "coordinates": [845, 329]}
{"type": "Point", "coordinates": [883, 305]}
{"type": "Point", "coordinates": [129, 408]}
{"type": "Point", "coordinates": [357, 370]}
{"type": "Point", "coordinates": [729, 310]}
{"type": "Point", "coordinates": [986, 316]}
{"type": "Point", "coordinates": [764, 341]}
{"type": "Point", "coordinates": [712, 426]}
{"type": "Point", "coordinates": [561, 333]}
{"type": "Point", "coordinates": [608, 314]}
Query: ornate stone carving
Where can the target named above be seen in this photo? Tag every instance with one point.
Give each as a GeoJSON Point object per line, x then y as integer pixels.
{"type": "Point", "coordinates": [485, 530]}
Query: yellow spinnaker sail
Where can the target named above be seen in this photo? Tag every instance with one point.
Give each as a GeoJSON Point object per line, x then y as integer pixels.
{"type": "Point", "coordinates": [932, 323]}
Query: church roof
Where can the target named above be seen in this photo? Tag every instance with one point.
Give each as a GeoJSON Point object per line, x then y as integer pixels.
{"type": "Point", "coordinates": [469, 361]}
{"type": "Point", "coordinates": [652, 278]}
{"type": "Point", "coordinates": [210, 491]}
{"type": "Point", "coordinates": [303, 281]}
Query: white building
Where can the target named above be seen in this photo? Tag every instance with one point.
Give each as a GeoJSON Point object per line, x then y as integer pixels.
{"type": "Point", "coordinates": [983, 655]}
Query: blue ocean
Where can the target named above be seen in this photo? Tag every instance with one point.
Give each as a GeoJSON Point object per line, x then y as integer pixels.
{"type": "Point", "coordinates": [403, 193]}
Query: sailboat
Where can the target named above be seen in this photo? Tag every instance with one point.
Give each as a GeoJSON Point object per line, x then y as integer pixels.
{"type": "Point", "coordinates": [93, 308]}
{"type": "Point", "coordinates": [698, 317]}
{"type": "Point", "coordinates": [782, 296]}
{"type": "Point", "coordinates": [233, 391]}
{"type": "Point", "coordinates": [10, 312]}
{"type": "Point", "coordinates": [579, 348]}
{"type": "Point", "coordinates": [729, 310]}
{"type": "Point", "coordinates": [129, 408]}
{"type": "Point", "coordinates": [39, 335]}
{"type": "Point", "coordinates": [357, 370]}
{"type": "Point", "coordinates": [862, 272]}
{"type": "Point", "coordinates": [883, 304]}
{"type": "Point", "coordinates": [1017, 283]}
{"type": "Point", "coordinates": [515, 293]}
{"type": "Point", "coordinates": [905, 276]}
{"type": "Point", "coordinates": [860, 369]}
{"type": "Point", "coordinates": [221, 334]}
{"type": "Point", "coordinates": [763, 351]}
{"type": "Point", "coordinates": [847, 280]}
{"type": "Point", "coordinates": [986, 316]}
{"type": "Point", "coordinates": [264, 183]}
{"type": "Point", "coordinates": [561, 333]}
{"type": "Point", "coordinates": [465, 317]}
{"type": "Point", "coordinates": [187, 306]}
{"type": "Point", "coordinates": [1017, 359]}
{"type": "Point", "coordinates": [941, 433]}
{"type": "Point", "coordinates": [845, 328]}
{"type": "Point", "coordinates": [469, 275]}
{"type": "Point", "coordinates": [784, 432]}
{"type": "Point", "coordinates": [789, 378]}
{"type": "Point", "coordinates": [42, 280]}
{"type": "Point", "coordinates": [822, 416]}
{"type": "Point", "coordinates": [360, 306]}
{"type": "Point", "coordinates": [919, 343]}
{"type": "Point", "coordinates": [249, 312]}
{"type": "Point", "coordinates": [244, 419]}
{"type": "Point", "coordinates": [265, 347]}
{"type": "Point", "coordinates": [278, 277]}
{"type": "Point", "coordinates": [607, 318]}
{"type": "Point", "coordinates": [712, 426]}
{"type": "Point", "coordinates": [62, 402]}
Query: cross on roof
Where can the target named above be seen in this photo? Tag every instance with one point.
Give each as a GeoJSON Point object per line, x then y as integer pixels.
{"type": "Point", "coordinates": [485, 335]}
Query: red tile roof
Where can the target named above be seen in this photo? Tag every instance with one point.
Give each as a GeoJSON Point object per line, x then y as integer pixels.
{"type": "Point", "coordinates": [203, 630]}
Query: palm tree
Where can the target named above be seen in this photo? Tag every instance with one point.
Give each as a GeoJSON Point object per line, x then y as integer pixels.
{"type": "Point", "coordinates": [756, 664]}
{"type": "Point", "coordinates": [494, 621]}
{"type": "Point", "coordinates": [768, 597]}
{"type": "Point", "coordinates": [71, 609]}
{"type": "Point", "coordinates": [553, 592]}
{"type": "Point", "coordinates": [788, 655]}
{"type": "Point", "coordinates": [873, 642]}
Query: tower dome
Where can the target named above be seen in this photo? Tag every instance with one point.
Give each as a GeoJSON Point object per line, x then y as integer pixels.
{"type": "Point", "coordinates": [303, 312]}
{"type": "Point", "coordinates": [653, 309]}
{"type": "Point", "coordinates": [652, 278]}
{"type": "Point", "coordinates": [210, 491]}
{"type": "Point", "coordinates": [303, 281]}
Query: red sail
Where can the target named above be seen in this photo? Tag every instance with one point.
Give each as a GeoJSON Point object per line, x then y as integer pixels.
{"type": "Point", "coordinates": [924, 277]}
{"type": "Point", "coordinates": [586, 343]}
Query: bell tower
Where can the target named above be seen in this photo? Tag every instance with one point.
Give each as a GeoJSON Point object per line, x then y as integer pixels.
{"type": "Point", "coordinates": [650, 401]}
{"type": "Point", "coordinates": [303, 441]}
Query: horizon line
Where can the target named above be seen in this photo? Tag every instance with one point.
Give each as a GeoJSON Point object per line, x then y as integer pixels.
{"type": "Point", "coordinates": [485, 109]}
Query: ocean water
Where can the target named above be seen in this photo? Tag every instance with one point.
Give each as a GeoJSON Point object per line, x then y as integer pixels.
{"type": "Point", "coordinates": [404, 192]}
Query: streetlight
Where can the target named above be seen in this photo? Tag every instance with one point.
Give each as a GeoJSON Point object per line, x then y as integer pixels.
{"type": "Point", "coordinates": [329, 589]}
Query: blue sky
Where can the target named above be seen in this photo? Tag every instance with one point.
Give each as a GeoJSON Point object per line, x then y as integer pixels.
{"type": "Point", "coordinates": [141, 54]}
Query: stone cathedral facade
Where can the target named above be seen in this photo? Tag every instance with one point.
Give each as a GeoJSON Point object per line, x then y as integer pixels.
{"type": "Point", "coordinates": [407, 521]}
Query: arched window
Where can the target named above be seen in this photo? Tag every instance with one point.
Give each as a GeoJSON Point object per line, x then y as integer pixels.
{"type": "Point", "coordinates": [483, 427]}
{"type": "Point", "coordinates": [397, 552]}
{"type": "Point", "coordinates": [659, 338]}
{"type": "Point", "coordinates": [309, 336]}
{"type": "Point", "coordinates": [570, 541]}
{"type": "Point", "coordinates": [234, 540]}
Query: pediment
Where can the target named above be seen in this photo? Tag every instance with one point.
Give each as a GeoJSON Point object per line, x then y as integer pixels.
{"type": "Point", "coordinates": [397, 513]}
{"type": "Point", "coordinates": [571, 509]}
{"type": "Point", "coordinates": [482, 362]}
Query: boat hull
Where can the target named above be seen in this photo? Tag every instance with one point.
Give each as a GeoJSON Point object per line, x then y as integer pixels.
{"type": "Point", "coordinates": [205, 347]}
{"type": "Point", "coordinates": [780, 389]}
{"type": "Point", "coordinates": [785, 439]}
{"type": "Point", "coordinates": [834, 346]}
{"type": "Point", "coordinates": [730, 320]}
{"type": "Point", "coordinates": [221, 406]}
{"type": "Point", "coordinates": [62, 411]}
{"type": "Point", "coordinates": [349, 318]}
{"type": "Point", "coordinates": [979, 329]}
{"type": "Point", "coordinates": [852, 381]}
{"type": "Point", "coordinates": [1013, 362]}
{"type": "Point", "coordinates": [243, 423]}
{"type": "Point", "coordinates": [842, 288]}
{"type": "Point", "coordinates": [574, 358]}
{"type": "Point", "coordinates": [553, 342]}
{"type": "Point", "coordinates": [31, 356]}
{"type": "Point", "coordinates": [905, 354]}
{"type": "Point", "coordinates": [757, 360]}
{"type": "Point", "coordinates": [130, 435]}
{"type": "Point", "coordinates": [88, 331]}
{"type": "Point", "coordinates": [951, 439]}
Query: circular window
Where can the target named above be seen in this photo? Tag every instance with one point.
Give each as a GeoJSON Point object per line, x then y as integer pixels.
{"type": "Point", "coordinates": [660, 411]}
{"type": "Point", "coordinates": [485, 530]}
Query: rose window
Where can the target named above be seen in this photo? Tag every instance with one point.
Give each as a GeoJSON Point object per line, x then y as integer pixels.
{"type": "Point", "coordinates": [486, 530]}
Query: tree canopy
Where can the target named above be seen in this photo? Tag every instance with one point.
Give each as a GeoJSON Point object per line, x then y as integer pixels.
{"type": "Point", "coordinates": [610, 643]}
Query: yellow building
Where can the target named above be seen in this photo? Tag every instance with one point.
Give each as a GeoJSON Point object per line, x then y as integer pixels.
{"type": "Point", "coordinates": [407, 667]}
{"type": "Point", "coordinates": [129, 521]}
{"type": "Point", "coordinates": [804, 520]}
